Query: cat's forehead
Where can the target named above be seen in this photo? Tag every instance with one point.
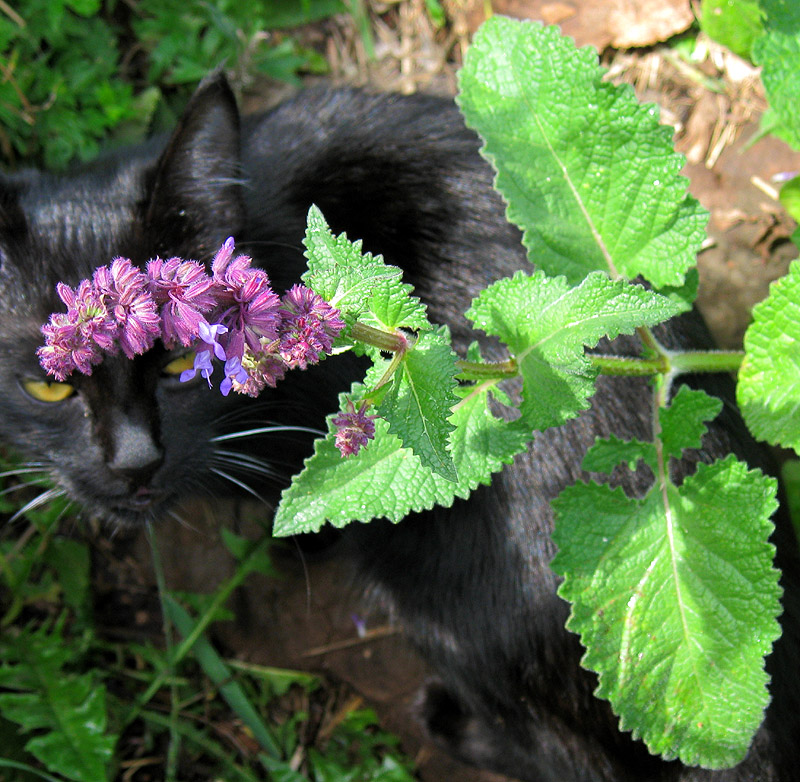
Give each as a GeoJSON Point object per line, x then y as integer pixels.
{"type": "Point", "coordinates": [65, 226]}
{"type": "Point", "coordinates": [77, 208]}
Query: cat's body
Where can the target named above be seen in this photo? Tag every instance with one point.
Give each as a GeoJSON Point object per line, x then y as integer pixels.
{"type": "Point", "coordinates": [471, 585]}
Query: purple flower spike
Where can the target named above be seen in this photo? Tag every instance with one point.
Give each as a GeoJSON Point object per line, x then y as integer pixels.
{"type": "Point", "coordinates": [233, 372]}
{"type": "Point", "coordinates": [209, 335]}
{"type": "Point", "coordinates": [355, 429]}
{"type": "Point", "coordinates": [202, 364]}
{"type": "Point", "coordinates": [231, 314]}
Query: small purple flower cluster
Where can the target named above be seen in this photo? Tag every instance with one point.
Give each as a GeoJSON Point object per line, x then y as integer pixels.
{"type": "Point", "coordinates": [354, 429]}
{"type": "Point", "coordinates": [232, 314]}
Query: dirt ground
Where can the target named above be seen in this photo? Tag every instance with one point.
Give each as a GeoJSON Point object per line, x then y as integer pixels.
{"type": "Point", "coordinates": [303, 619]}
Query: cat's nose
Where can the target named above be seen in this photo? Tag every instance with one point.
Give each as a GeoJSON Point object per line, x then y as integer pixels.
{"type": "Point", "coordinates": [136, 455]}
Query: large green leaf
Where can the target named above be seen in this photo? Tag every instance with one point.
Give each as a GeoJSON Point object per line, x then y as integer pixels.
{"type": "Point", "coordinates": [675, 597]}
{"type": "Point", "coordinates": [588, 173]}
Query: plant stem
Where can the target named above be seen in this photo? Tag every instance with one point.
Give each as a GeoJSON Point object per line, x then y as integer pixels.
{"type": "Point", "coordinates": [498, 370]}
{"type": "Point", "coordinates": [660, 361]}
{"type": "Point", "coordinates": [393, 341]}
{"type": "Point", "coordinates": [178, 652]}
{"type": "Point", "coordinates": [630, 366]}
{"type": "Point", "coordinates": [707, 361]}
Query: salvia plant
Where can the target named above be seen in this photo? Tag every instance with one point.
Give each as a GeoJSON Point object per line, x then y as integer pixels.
{"type": "Point", "coordinates": [591, 178]}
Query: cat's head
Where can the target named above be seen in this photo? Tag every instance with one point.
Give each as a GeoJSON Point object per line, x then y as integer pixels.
{"type": "Point", "coordinates": [130, 440]}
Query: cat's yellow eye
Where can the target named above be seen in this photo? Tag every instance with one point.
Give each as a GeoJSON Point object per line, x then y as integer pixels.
{"type": "Point", "coordinates": [45, 391]}
{"type": "Point", "coordinates": [180, 364]}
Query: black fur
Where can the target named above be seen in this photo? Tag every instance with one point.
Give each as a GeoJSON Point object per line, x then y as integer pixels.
{"type": "Point", "coordinates": [471, 585]}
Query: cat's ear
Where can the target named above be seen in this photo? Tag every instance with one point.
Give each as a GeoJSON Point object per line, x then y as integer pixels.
{"type": "Point", "coordinates": [194, 195]}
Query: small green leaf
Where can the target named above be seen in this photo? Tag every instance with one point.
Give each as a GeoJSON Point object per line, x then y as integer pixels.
{"type": "Point", "coordinates": [418, 403]}
{"type": "Point", "coordinates": [675, 598]}
{"type": "Point", "coordinates": [790, 198]}
{"type": "Point", "coordinates": [606, 454]}
{"type": "Point", "coordinates": [546, 324]}
{"type": "Point", "coordinates": [67, 711]}
{"type": "Point", "coordinates": [247, 552]}
{"type": "Point", "coordinates": [588, 173]}
{"type": "Point", "coordinates": [683, 422]}
{"type": "Point", "coordinates": [768, 390]}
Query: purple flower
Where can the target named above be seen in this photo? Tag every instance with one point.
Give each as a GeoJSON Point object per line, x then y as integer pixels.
{"type": "Point", "coordinates": [251, 306]}
{"type": "Point", "coordinates": [123, 289]}
{"type": "Point", "coordinates": [76, 339]}
{"type": "Point", "coordinates": [65, 348]}
{"type": "Point", "coordinates": [89, 315]}
{"type": "Point", "coordinates": [233, 372]}
{"type": "Point", "coordinates": [231, 314]}
{"type": "Point", "coordinates": [202, 364]}
{"type": "Point", "coordinates": [355, 429]}
{"type": "Point", "coordinates": [263, 369]}
{"type": "Point", "coordinates": [309, 327]}
{"type": "Point", "coordinates": [209, 335]}
{"type": "Point", "coordinates": [184, 292]}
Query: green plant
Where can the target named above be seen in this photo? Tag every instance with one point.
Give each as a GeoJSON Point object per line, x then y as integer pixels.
{"type": "Point", "coordinates": [595, 187]}
{"type": "Point", "coordinates": [68, 69]}
{"type": "Point", "coordinates": [74, 705]}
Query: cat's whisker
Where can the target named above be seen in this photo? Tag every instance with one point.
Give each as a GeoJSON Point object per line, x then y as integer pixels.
{"type": "Point", "coordinates": [36, 502]}
{"type": "Point", "coordinates": [241, 484]}
{"type": "Point", "coordinates": [23, 470]}
{"type": "Point", "coordinates": [246, 462]}
{"type": "Point", "coordinates": [182, 521]}
{"type": "Point", "coordinates": [18, 486]}
{"type": "Point", "coordinates": [266, 430]}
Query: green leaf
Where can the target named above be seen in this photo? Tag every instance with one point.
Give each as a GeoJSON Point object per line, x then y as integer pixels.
{"type": "Point", "coordinates": [606, 454]}
{"type": "Point", "coordinates": [290, 13]}
{"type": "Point", "coordinates": [386, 480]}
{"type": "Point", "coordinates": [392, 306]}
{"type": "Point", "coordinates": [546, 324]}
{"type": "Point", "coordinates": [588, 173]}
{"type": "Point", "coordinates": [337, 269]}
{"type": "Point", "coordinates": [733, 23]}
{"type": "Point", "coordinates": [768, 390]}
{"type": "Point", "coordinates": [778, 52]}
{"type": "Point", "coordinates": [219, 673]}
{"type": "Point", "coordinates": [249, 554]}
{"type": "Point", "coordinates": [417, 405]}
{"type": "Point", "coordinates": [683, 422]}
{"type": "Point", "coordinates": [66, 710]}
{"type": "Point", "coordinates": [675, 598]}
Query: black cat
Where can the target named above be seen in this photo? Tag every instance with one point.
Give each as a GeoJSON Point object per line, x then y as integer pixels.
{"type": "Point", "coordinates": [470, 585]}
